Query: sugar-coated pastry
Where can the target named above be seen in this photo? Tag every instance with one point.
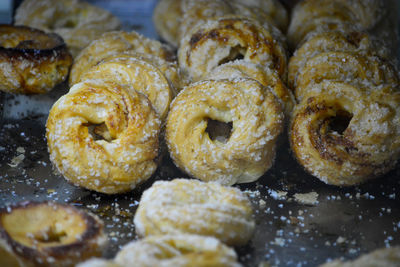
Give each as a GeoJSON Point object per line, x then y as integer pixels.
{"type": "Point", "coordinates": [388, 257]}
{"type": "Point", "coordinates": [344, 134]}
{"type": "Point", "coordinates": [98, 262]}
{"type": "Point", "coordinates": [167, 15]}
{"type": "Point", "coordinates": [226, 39]}
{"type": "Point", "coordinates": [224, 130]}
{"type": "Point", "coordinates": [310, 15]}
{"type": "Point", "coordinates": [78, 22]}
{"type": "Point", "coordinates": [177, 251]}
{"type": "Point", "coordinates": [32, 61]}
{"type": "Point", "coordinates": [186, 206]}
{"type": "Point", "coordinates": [139, 73]}
{"type": "Point", "coordinates": [114, 42]}
{"type": "Point", "coordinates": [265, 76]}
{"type": "Point", "coordinates": [48, 234]}
{"type": "Point", "coordinates": [103, 136]}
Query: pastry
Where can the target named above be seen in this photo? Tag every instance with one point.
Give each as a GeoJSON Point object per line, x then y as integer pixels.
{"type": "Point", "coordinates": [103, 136]}
{"type": "Point", "coordinates": [167, 15]}
{"type": "Point", "coordinates": [184, 206]}
{"type": "Point", "coordinates": [224, 130]}
{"type": "Point", "coordinates": [112, 43]}
{"type": "Point", "coordinates": [78, 22]}
{"type": "Point", "coordinates": [48, 234]}
{"type": "Point", "coordinates": [32, 61]}
{"type": "Point", "coordinates": [226, 39]}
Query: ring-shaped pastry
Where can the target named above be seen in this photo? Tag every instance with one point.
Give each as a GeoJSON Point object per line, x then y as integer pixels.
{"type": "Point", "coordinates": [144, 77]}
{"type": "Point", "coordinates": [111, 43]}
{"type": "Point", "coordinates": [226, 39]}
{"type": "Point", "coordinates": [186, 206]}
{"type": "Point", "coordinates": [177, 251]}
{"type": "Point", "coordinates": [48, 234]}
{"type": "Point", "coordinates": [224, 130]}
{"type": "Point", "coordinates": [352, 68]}
{"type": "Point", "coordinates": [167, 15]}
{"type": "Point", "coordinates": [32, 61]}
{"type": "Point", "coordinates": [103, 136]}
{"type": "Point", "coordinates": [344, 135]}
{"type": "Point", "coordinates": [78, 22]}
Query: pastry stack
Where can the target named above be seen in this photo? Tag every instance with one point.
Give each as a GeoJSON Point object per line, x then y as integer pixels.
{"type": "Point", "coordinates": [345, 127]}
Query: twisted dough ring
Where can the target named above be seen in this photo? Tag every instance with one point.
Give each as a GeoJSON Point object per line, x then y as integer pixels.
{"type": "Point", "coordinates": [265, 76]}
{"type": "Point", "coordinates": [48, 234]}
{"type": "Point", "coordinates": [103, 136]}
{"type": "Point", "coordinates": [308, 15]}
{"type": "Point", "coordinates": [76, 21]}
{"type": "Point", "coordinates": [225, 39]}
{"type": "Point", "coordinates": [240, 156]}
{"type": "Point", "coordinates": [356, 42]}
{"type": "Point", "coordinates": [111, 43]}
{"type": "Point", "coordinates": [138, 73]}
{"type": "Point", "coordinates": [343, 135]}
{"type": "Point", "coordinates": [31, 61]}
{"type": "Point", "coordinates": [352, 68]}
{"type": "Point", "coordinates": [177, 251]}
{"type": "Point", "coordinates": [185, 206]}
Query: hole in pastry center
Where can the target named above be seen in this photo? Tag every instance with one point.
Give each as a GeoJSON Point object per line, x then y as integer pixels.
{"type": "Point", "coordinates": [235, 53]}
{"type": "Point", "coordinates": [340, 122]}
{"type": "Point", "coordinates": [218, 130]}
{"type": "Point", "coordinates": [49, 235]}
{"type": "Point", "coordinates": [99, 132]}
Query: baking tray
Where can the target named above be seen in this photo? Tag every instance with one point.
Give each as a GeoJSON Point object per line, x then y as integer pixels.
{"type": "Point", "coordinates": [300, 221]}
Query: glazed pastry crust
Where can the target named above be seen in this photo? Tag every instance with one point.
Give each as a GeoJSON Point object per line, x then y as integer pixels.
{"type": "Point", "coordinates": [32, 62]}
{"type": "Point", "coordinates": [139, 73]}
{"type": "Point", "coordinates": [103, 136]}
{"type": "Point", "coordinates": [185, 206]}
{"type": "Point", "coordinates": [228, 38]}
{"type": "Point", "coordinates": [257, 120]}
{"type": "Point", "coordinates": [167, 16]}
{"type": "Point", "coordinates": [78, 22]}
{"type": "Point", "coordinates": [177, 251]}
{"type": "Point", "coordinates": [345, 135]}
{"type": "Point", "coordinates": [49, 234]}
{"type": "Point", "coordinates": [112, 43]}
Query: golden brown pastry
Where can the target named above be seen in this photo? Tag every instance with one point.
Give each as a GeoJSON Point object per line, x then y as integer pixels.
{"type": "Point", "coordinates": [345, 134]}
{"type": "Point", "coordinates": [48, 234]}
{"type": "Point", "coordinates": [139, 74]}
{"type": "Point", "coordinates": [167, 16]}
{"type": "Point", "coordinates": [354, 42]}
{"type": "Point", "coordinates": [326, 15]}
{"type": "Point", "coordinates": [112, 43]}
{"type": "Point", "coordinates": [224, 130]}
{"type": "Point", "coordinates": [78, 22]}
{"type": "Point", "coordinates": [265, 76]}
{"type": "Point", "coordinates": [103, 136]}
{"type": "Point", "coordinates": [32, 62]}
{"type": "Point", "coordinates": [226, 39]}
{"type": "Point", "coordinates": [177, 251]}
{"type": "Point", "coordinates": [388, 257]}
{"type": "Point", "coordinates": [184, 206]}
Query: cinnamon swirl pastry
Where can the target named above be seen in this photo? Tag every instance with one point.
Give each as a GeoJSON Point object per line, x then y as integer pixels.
{"type": "Point", "coordinates": [177, 251]}
{"type": "Point", "coordinates": [138, 73]}
{"type": "Point", "coordinates": [112, 43]}
{"type": "Point", "coordinates": [185, 206]}
{"type": "Point", "coordinates": [167, 16]}
{"type": "Point", "coordinates": [224, 130]}
{"type": "Point", "coordinates": [78, 22]}
{"type": "Point", "coordinates": [103, 136]}
{"type": "Point", "coordinates": [310, 15]}
{"type": "Point", "coordinates": [343, 134]}
{"type": "Point", "coordinates": [48, 234]}
{"type": "Point", "coordinates": [265, 76]}
{"type": "Point", "coordinates": [32, 62]}
{"type": "Point", "coordinates": [354, 42]}
{"type": "Point", "coordinates": [226, 39]}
